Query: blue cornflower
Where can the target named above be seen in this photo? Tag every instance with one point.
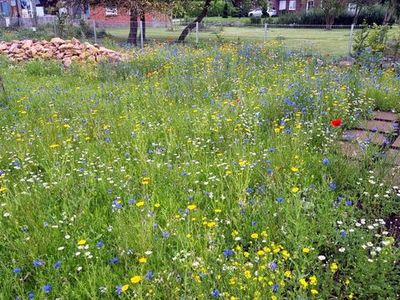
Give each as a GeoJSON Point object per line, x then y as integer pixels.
{"type": "Point", "coordinates": [118, 289]}
{"type": "Point", "coordinates": [269, 171]}
{"type": "Point", "coordinates": [349, 203]}
{"type": "Point", "coordinates": [280, 199]}
{"type": "Point", "coordinates": [343, 233]}
{"type": "Point", "coordinates": [165, 234]}
{"type": "Point", "coordinates": [17, 270]}
{"type": "Point", "coordinates": [47, 288]}
{"type": "Point", "coordinates": [100, 244]}
{"type": "Point", "coordinates": [132, 201]}
{"type": "Point", "coordinates": [215, 293]}
{"type": "Point", "coordinates": [57, 264]}
{"type": "Point", "coordinates": [38, 263]}
{"type": "Point", "coordinates": [325, 161]}
{"type": "Point", "coordinates": [149, 275]}
{"type": "Point", "coordinates": [228, 252]}
{"type": "Point", "coordinates": [275, 288]}
{"type": "Point", "coordinates": [273, 265]}
{"type": "Point", "coordinates": [31, 295]}
{"type": "Point", "coordinates": [114, 260]}
{"type": "Point", "coordinates": [332, 186]}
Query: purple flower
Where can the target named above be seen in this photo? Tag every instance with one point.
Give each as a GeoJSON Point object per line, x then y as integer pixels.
{"type": "Point", "coordinates": [100, 244]}
{"type": "Point", "coordinates": [215, 293]}
{"type": "Point", "coordinates": [31, 295]}
{"type": "Point", "coordinates": [165, 234]}
{"type": "Point", "coordinates": [227, 253]}
{"type": "Point", "coordinates": [332, 186]}
{"type": "Point", "coordinates": [349, 203]}
{"type": "Point", "coordinates": [118, 289]}
{"type": "Point", "coordinates": [114, 260]}
{"type": "Point", "coordinates": [17, 270]}
{"type": "Point", "coordinates": [57, 264]}
{"type": "Point", "coordinates": [325, 161]}
{"type": "Point", "coordinates": [47, 288]}
{"type": "Point", "coordinates": [273, 265]}
{"type": "Point", "coordinates": [279, 200]}
{"type": "Point", "coordinates": [149, 275]}
{"type": "Point", "coordinates": [275, 288]}
{"type": "Point", "coordinates": [38, 263]}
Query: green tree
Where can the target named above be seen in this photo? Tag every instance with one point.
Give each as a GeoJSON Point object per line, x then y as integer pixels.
{"type": "Point", "coordinates": [331, 9]}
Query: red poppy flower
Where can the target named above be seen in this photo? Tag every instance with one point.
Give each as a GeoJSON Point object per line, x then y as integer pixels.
{"type": "Point", "coordinates": [336, 122]}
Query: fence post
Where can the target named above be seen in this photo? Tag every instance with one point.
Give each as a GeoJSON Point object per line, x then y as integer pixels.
{"type": "Point", "coordinates": [94, 32]}
{"type": "Point", "coordinates": [265, 31]}
{"type": "Point", "coordinates": [141, 34]}
{"type": "Point", "coordinates": [197, 32]}
{"type": "Point", "coordinates": [351, 39]}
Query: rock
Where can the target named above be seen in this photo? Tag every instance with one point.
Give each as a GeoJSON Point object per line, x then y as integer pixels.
{"type": "Point", "coordinates": [57, 40]}
{"type": "Point", "coordinates": [27, 44]}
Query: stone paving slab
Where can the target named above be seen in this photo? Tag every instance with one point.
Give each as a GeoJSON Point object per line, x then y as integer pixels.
{"type": "Point", "coordinates": [393, 155]}
{"type": "Point", "coordinates": [381, 126]}
{"type": "Point", "coordinates": [385, 116]}
{"type": "Point", "coordinates": [396, 143]}
{"type": "Point", "coordinates": [351, 150]}
{"type": "Point", "coordinates": [364, 136]}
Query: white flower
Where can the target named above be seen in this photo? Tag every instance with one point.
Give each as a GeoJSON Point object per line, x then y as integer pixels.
{"type": "Point", "coordinates": [342, 249]}
{"type": "Point", "coordinates": [321, 257]}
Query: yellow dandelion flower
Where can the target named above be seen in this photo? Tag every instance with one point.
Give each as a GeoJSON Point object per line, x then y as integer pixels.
{"type": "Point", "coordinates": [157, 205]}
{"type": "Point", "coordinates": [254, 235]}
{"type": "Point", "coordinates": [53, 146]}
{"type": "Point", "coordinates": [303, 283]}
{"type": "Point", "coordinates": [142, 260]}
{"type": "Point", "coordinates": [306, 250]}
{"type": "Point", "coordinates": [140, 204]}
{"type": "Point", "coordinates": [247, 274]}
{"type": "Point", "coordinates": [313, 280]}
{"type": "Point", "coordinates": [287, 274]}
{"type": "Point", "coordinates": [124, 288]}
{"type": "Point", "coordinates": [192, 207]}
{"type": "Point", "coordinates": [3, 189]}
{"type": "Point", "coordinates": [136, 279]}
{"type": "Point", "coordinates": [295, 189]}
{"type": "Point", "coordinates": [294, 169]}
{"type": "Point", "coordinates": [333, 267]}
{"type": "Point", "coordinates": [145, 180]}
{"type": "Point", "coordinates": [81, 242]}
{"type": "Point", "coordinates": [314, 292]}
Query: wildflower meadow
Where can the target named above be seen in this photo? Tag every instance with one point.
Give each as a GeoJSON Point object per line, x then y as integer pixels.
{"type": "Point", "coordinates": [195, 173]}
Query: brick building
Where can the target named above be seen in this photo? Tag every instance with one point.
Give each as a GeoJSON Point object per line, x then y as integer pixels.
{"type": "Point", "coordinates": [113, 16]}
{"type": "Point", "coordinates": [283, 6]}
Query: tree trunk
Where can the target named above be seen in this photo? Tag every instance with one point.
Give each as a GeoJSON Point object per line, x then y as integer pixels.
{"type": "Point", "coordinates": [143, 20]}
{"type": "Point", "coordinates": [133, 28]}
{"type": "Point", "coordinates": [329, 22]}
{"type": "Point", "coordinates": [192, 25]}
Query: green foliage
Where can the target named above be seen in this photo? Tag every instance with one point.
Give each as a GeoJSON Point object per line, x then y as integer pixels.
{"type": "Point", "coordinates": [192, 172]}
{"type": "Point", "coordinates": [225, 12]}
{"type": "Point", "coordinates": [374, 38]}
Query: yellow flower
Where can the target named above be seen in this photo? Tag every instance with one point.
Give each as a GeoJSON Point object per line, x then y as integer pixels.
{"type": "Point", "coordinates": [140, 204]}
{"type": "Point", "coordinates": [254, 235]}
{"type": "Point", "coordinates": [142, 260]}
{"type": "Point", "coordinates": [260, 253]}
{"type": "Point", "coordinates": [294, 169]}
{"type": "Point", "coordinates": [247, 274]}
{"type": "Point", "coordinates": [314, 292]}
{"type": "Point", "coordinates": [306, 250]}
{"type": "Point", "coordinates": [303, 283]}
{"type": "Point", "coordinates": [313, 280]}
{"type": "Point", "coordinates": [217, 210]}
{"type": "Point", "coordinates": [157, 205]}
{"type": "Point", "coordinates": [81, 242]}
{"type": "Point", "coordinates": [3, 189]}
{"type": "Point", "coordinates": [136, 279]}
{"type": "Point", "coordinates": [52, 146]}
{"type": "Point", "coordinates": [192, 206]}
{"type": "Point", "coordinates": [295, 189]}
{"type": "Point", "coordinates": [211, 224]}
{"type": "Point", "coordinates": [145, 180]}
{"type": "Point", "coordinates": [285, 254]}
{"type": "Point", "coordinates": [333, 267]}
{"type": "Point", "coordinates": [287, 274]}
{"type": "Point", "coordinates": [125, 287]}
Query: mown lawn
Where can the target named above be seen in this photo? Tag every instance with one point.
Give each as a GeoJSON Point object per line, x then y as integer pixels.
{"type": "Point", "coordinates": [316, 41]}
{"type": "Point", "coordinates": [193, 173]}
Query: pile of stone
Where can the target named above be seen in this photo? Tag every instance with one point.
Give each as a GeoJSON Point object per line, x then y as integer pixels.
{"type": "Point", "coordinates": [66, 51]}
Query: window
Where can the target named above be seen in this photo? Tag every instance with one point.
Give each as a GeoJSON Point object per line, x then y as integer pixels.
{"type": "Point", "coordinates": [292, 5]}
{"type": "Point", "coordinates": [282, 5]}
{"type": "Point", "coordinates": [310, 5]}
{"type": "Point", "coordinates": [111, 10]}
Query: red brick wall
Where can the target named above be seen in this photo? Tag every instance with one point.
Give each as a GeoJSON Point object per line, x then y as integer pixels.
{"type": "Point", "coordinates": [98, 14]}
